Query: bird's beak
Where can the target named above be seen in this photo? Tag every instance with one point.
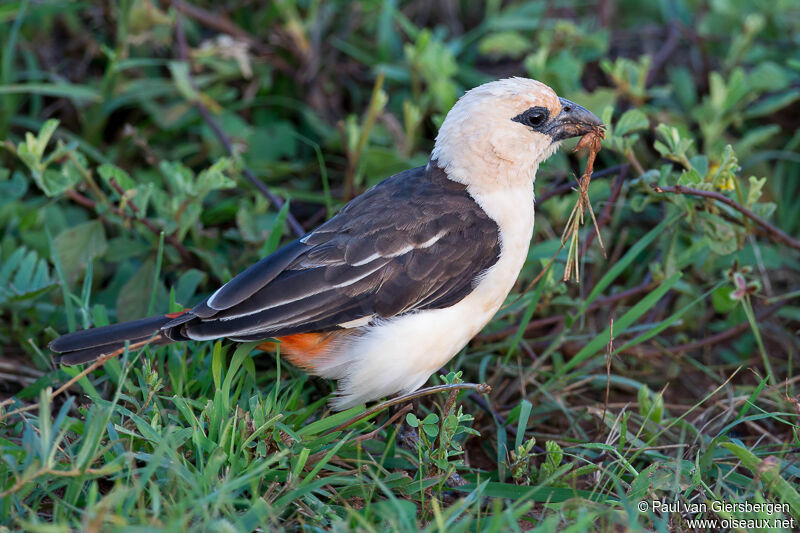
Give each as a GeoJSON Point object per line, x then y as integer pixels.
{"type": "Point", "coordinates": [573, 121]}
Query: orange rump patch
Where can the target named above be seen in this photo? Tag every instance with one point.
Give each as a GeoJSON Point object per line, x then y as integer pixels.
{"type": "Point", "coordinates": [302, 348]}
{"type": "Point", "coordinates": [176, 314]}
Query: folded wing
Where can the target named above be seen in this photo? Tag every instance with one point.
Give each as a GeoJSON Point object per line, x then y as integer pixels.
{"type": "Point", "coordinates": [415, 241]}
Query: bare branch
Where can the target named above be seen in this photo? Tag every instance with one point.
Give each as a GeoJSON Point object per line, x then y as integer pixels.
{"type": "Point", "coordinates": [775, 233]}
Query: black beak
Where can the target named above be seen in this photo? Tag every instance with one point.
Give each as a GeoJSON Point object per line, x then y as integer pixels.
{"type": "Point", "coordinates": [573, 121]}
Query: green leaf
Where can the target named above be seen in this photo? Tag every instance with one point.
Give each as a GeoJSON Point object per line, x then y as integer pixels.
{"type": "Point", "coordinates": [505, 44]}
{"type": "Point", "coordinates": [522, 425]}
{"type": "Point", "coordinates": [754, 191]}
{"type": "Point", "coordinates": [45, 133]}
{"type": "Point", "coordinates": [187, 285]}
{"type": "Point", "coordinates": [239, 355]}
{"type": "Point", "coordinates": [53, 182]}
{"type": "Point", "coordinates": [134, 297]}
{"type": "Point", "coordinates": [430, 429]}
{"type": "Point", "coordinates": [216, 365]}
{"type": "Point", "coordinates": [77, 245]}
{"type": "Point", "coordinates": [109, 172]}
{"type": "Point", "coordinates": [651, 406]}
{"type": "Point", "coordinates": [722, 301]}
{"type": "Point", "coordinates": [690, 178]}
{"type": "Point", "coordinates": [720, 235]}
{"type": "Point", "coordinates": [212, 178]}
{"type": "Point", "coordinates": [773, 103]}
{"type": "Point", "coordinates": [632, 120]}
{"type": "Point", "coordinates": [182, 79]}
{"type": "Point", "coordinates": [331, 421]}
{"type": "Point", "coordinates": [179, 177]}
{"type": "Point", "coordinates": [770, 475]}
{"type": "Point", "coordinates": [432, 418]}
{"type": "Point", "coordinates": [554, 455]}
{"type": "Point", "coordinates": [57, 90]}
{"type": "Point", "coordinates": [31, 276]}
{"type": "Point", "coordinates": [276, 231]}
{"type": "Point", "coordinates": [271, 143]}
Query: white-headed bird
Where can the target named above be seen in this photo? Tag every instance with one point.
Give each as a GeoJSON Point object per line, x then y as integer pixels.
{"type": "Point", "coordinates": [391, 288]}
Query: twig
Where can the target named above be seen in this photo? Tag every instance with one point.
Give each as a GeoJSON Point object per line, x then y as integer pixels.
{"type": "Point", "coordinates": [223, 24]}
{"type": "Point", "coordinates": [97, 363]}
{"type": "Point", "coordinates": [125, 201]}
{"type": "Point", "coordinates": [592, 141]}
{"type": "Point", "coordinates": [605, 216]}
{"type": "Point", "coordinates": [315, 458]}
{"type": "Point", "coordinates": [251, 177]}
{"type": "Point", "coordinates": [184, 252]}
{"type": "Point", "coordinates": [87, 176]}
{"type": "Point", "coordinates": [394, 418]}
{"type": "Point", "coordinates": [776, 233]}
{"type": "Point", "coordinates": [499, 419]}
{"type": "Point", "coordinates": [725, 335]}
{"type": "Point", "coordinates": [448, 406]}
{"type": "Point", "coordinates": [490, 410]}
{"type": "Point", "coordinates": [728, 334]}
{"type": "Point", "coordinates": [535, 324]}
{"type": "Point", "coordinates": [223, 138]}
{"type": "Point", "coordinates": [660, 59]}
{"type": "Point", "coordinates": [569, 185]}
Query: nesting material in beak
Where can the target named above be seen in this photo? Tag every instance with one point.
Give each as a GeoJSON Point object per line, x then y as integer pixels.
{"type": "Point", "coordinates": [573, 121]}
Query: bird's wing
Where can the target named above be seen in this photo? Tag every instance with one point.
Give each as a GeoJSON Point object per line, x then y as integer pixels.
{"type": "Point", "coordinates": [415, 241]}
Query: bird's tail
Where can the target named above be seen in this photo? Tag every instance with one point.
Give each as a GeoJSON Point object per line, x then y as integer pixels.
{"type": "Point", "coordinates": [89, 344]}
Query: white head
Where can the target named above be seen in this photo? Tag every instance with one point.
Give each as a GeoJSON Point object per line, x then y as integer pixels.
{"type": "Point", "coordinates": [499, 132]}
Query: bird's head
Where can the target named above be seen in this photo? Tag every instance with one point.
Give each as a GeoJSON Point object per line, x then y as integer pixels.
{"type": "Point", "coordinates": [505, 128]}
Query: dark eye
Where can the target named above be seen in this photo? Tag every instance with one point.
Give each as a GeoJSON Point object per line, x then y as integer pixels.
{"type": "Point", "coordinates": [536, 118]}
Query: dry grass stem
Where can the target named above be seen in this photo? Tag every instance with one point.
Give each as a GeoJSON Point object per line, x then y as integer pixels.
{"type": "Point", "coordinates": [592, 141]}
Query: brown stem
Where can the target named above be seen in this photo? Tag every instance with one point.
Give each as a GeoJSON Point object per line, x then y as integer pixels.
{"type": "Point", "coordinates": [605, 216]}
{"type": "Point", "coordinates": [725, 335]}
{"type": "Point", "coordinates": [533, 325]}
{"type": "Point", "coordinates": [97, 363]}
{"type": "Point", "coordinates": [223, 24]}
{"type": "Point", "coordinates": [775, 233]}
{"type": "Point", "coordinates": [728, 334]}
{"type": "Point", "coordinates": [568, 186]}
{"type": "Point", "coordinates": [183, 52]}
{"type": "Point", "coordinates": [185, 254]}
{"type": "Point", "coordinates": [660, 59]}
{"type": "Point", "coordinates": [117, 187]}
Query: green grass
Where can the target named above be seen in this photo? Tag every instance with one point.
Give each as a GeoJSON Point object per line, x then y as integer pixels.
{"type": "Point", "coordinates": [666, 374]}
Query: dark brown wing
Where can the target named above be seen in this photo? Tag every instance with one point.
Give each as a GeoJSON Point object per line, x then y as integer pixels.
{"type": "Point", "coordinates": [415, 241]}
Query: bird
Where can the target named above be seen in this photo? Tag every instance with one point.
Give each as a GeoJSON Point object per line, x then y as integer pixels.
{"type": "Point", "coordinates": [398, 282]}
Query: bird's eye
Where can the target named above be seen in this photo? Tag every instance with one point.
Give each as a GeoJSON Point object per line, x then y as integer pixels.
{"type": "Point", "coordinates": [536, 118]}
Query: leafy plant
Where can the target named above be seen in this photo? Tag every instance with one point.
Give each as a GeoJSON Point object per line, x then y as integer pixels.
{"type": "Point", "coordinates": [152, 150]}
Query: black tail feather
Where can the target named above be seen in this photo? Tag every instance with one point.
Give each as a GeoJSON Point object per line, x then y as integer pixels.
{"type": "Point", "coordinates": [89, 344]}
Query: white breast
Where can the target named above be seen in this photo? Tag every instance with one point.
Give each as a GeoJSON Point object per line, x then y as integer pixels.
{"type": "Point", "coordinates": [400, 354]}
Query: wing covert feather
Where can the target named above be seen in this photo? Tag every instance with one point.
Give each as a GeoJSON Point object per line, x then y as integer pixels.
{"type": "Point", "coordinates": [415, 241]}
